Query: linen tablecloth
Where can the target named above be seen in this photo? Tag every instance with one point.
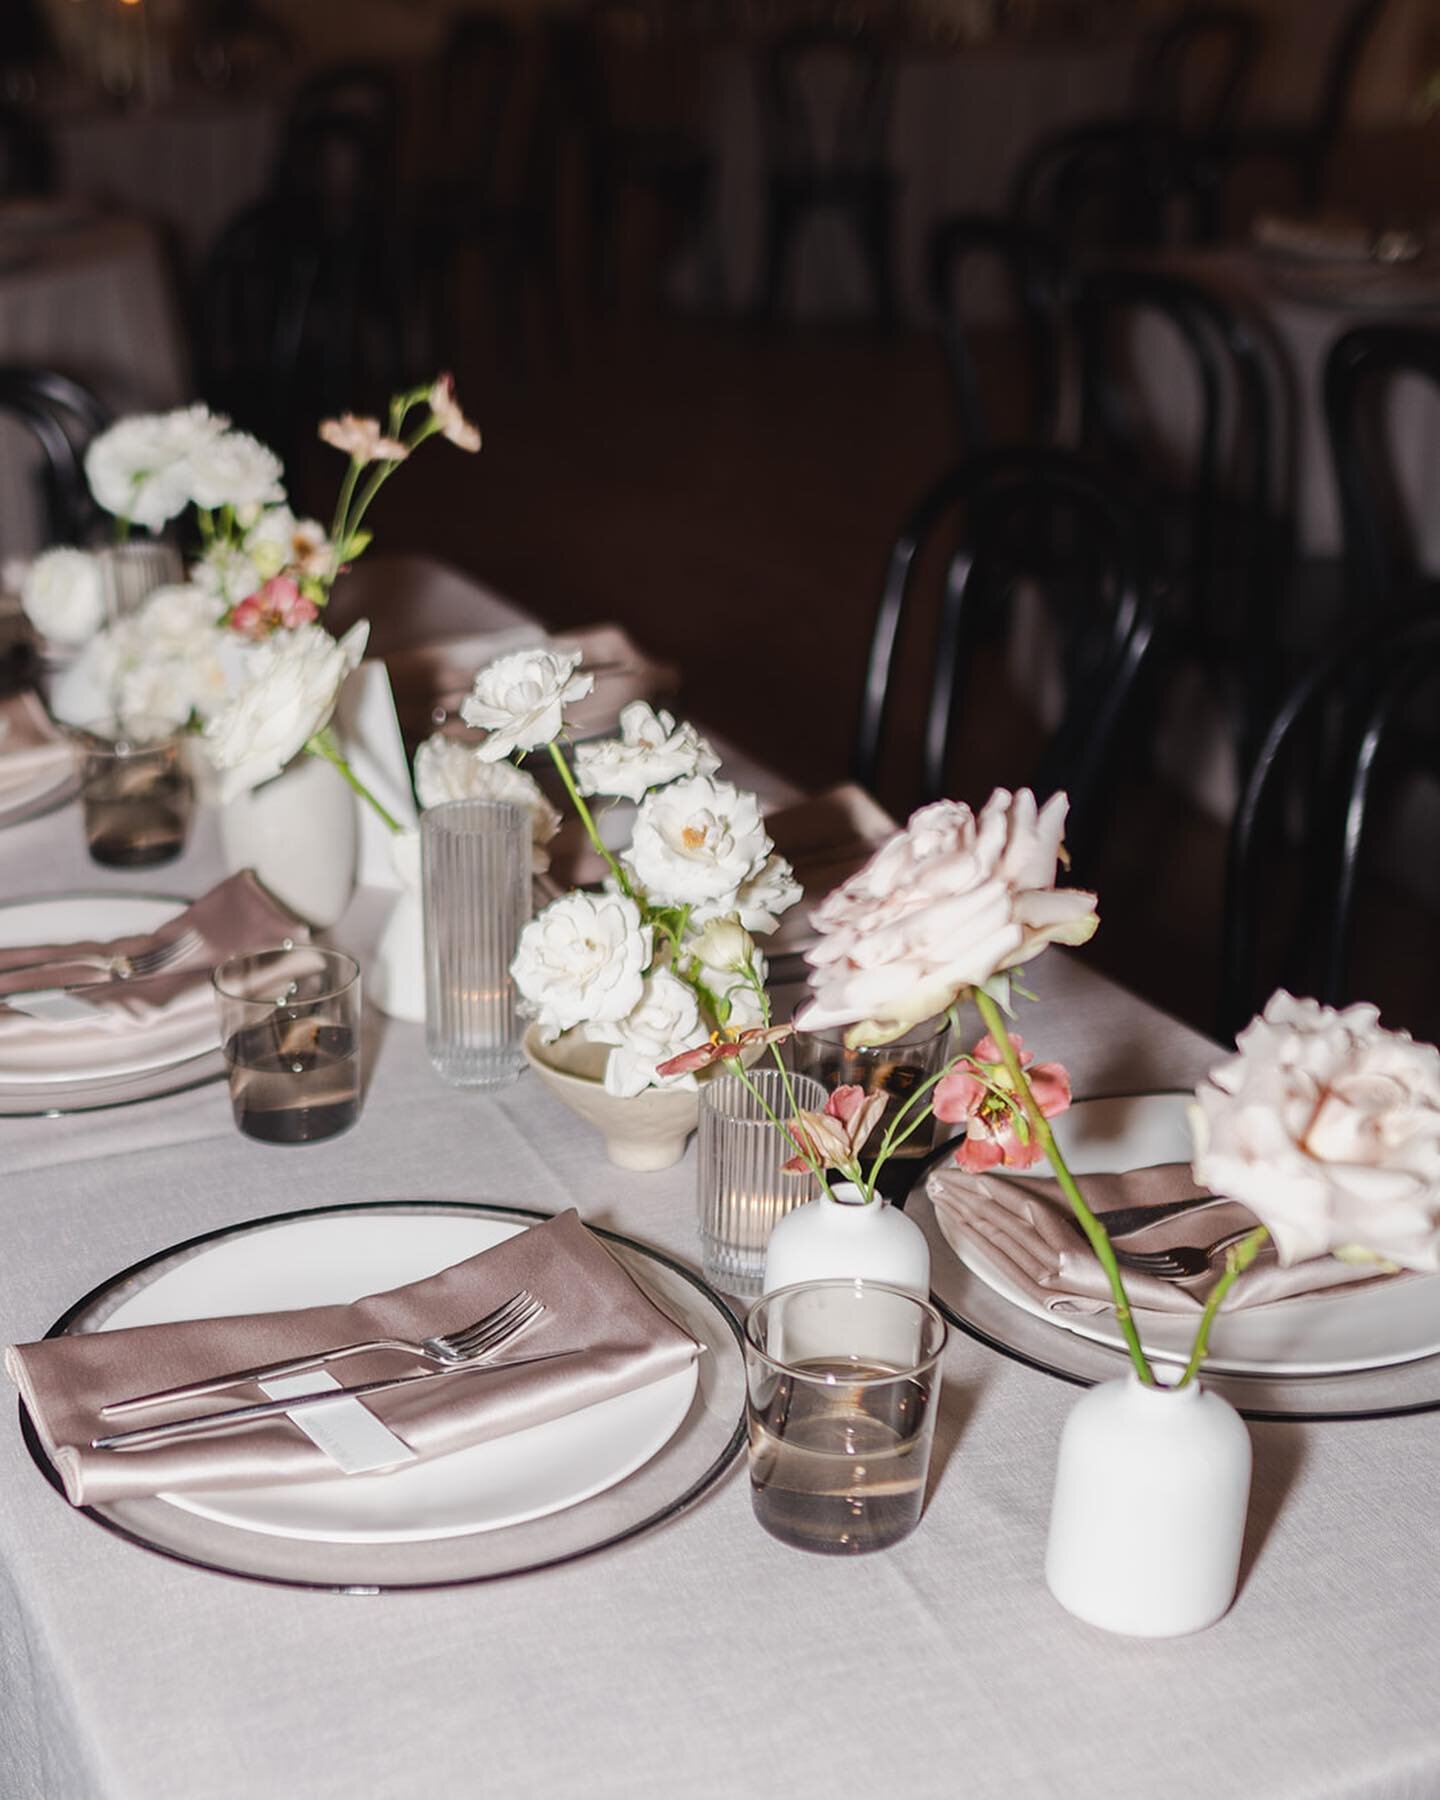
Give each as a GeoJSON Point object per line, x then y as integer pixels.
{"type": "Point", "coordinates": [704, 1659]}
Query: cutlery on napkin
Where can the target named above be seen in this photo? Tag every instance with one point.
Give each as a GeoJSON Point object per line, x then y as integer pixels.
{"type": "Point", "coordinates": [615, 1338]}
{"type": "Point", "coordinates": [1020, 1226]}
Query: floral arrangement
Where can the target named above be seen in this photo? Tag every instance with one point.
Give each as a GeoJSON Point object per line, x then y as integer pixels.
{"type": "Point", "coordinates": [1326, 1126]}
{"type": "Point", "coordinates": [238, 652]}
{"type": "Point", "coordinates": [664, 950]}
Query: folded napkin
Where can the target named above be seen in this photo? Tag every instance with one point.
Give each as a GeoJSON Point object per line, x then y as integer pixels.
{"type": "Point", "coordinates": [1021, 1227]}
{"type": "Point", "coordinates": [622, 1341]}
{"type": "Point", "coordinates": [173, 1010]}
{"type": "Point", "coordinates": [34, 754]}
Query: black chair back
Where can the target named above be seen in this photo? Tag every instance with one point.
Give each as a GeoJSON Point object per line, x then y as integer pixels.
{"type": "Point", "coordinates": [1101, 607]}
{"type": "Point", "coordinates": [342, 135]}
{"type": "Point", "coordinates": [61, 416]}
{"type": "Point", "coordinates": [27, 162]}
{"type": "Point", "coordinates": [1113, 186]}
{"type": "Point", "coordinates": [1030, 264]}
{"type": "Point", "coordinates": [479, 67]}
{"type": "Point", "coordinates": [1381, 565]}
{"type": "Point", "coordinates": [808, 66]}
{"type": "Point", "coordinates": [1193, 73]}
{"type": "Point", "coordinates": [1342, 69]}
{"type": "Point", "coordinates": [1340, 724]}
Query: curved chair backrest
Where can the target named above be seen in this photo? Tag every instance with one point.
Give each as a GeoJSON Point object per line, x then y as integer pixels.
{"type": "Point", "coordinates": [1105, 186]}
{"type": "Point", "coordinates": [479, 66]}
{"type": "Point", "coordinates": [807, 136]}
{"type": "Point", "coordinates": [1207, 51]}
{"type": "Point", "coordinates": [341, 135]}
{"type": "Point", "coordinates": [62, 416]}
{"type": "Point", "coordinates": [1007, 503]}
{"type": "Point", "coordinates": [1380, 559]}
{"type": "Point", "coordinates": [1342, 68]}
{"type": "Point", "coordinates": [1031, 265]}
{"type": "Point", "coordinates": [27, 163]}
{"type": "Point", "coordinates": [1341, 718]}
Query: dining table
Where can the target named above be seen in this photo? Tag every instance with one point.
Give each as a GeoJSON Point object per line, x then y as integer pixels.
{"type": "Point", "coordinates": [702, 1657]}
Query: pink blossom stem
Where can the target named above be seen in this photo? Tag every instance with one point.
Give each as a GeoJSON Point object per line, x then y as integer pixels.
{"type": "Point", "coordinates": [1094, 1231]}
{"type": "Point", "coordinates": [1238, 1258]}
{"type": "Point", "coordinates": [742, 1074]}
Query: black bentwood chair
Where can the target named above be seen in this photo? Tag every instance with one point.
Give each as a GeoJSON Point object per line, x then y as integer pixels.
{"type": "Point", "coordinates": [1100, 609]}
{"type": "Point", "coordinates": [1192, 74]}
{"type": "Point", "coordinates": [61, 416]}
{"type": "Point", "coordinates": [1029, 263]}
{"type": "Point", "coordinates": [1382, 573]}
{"type": "Point", "coordinates": [1299, 833]}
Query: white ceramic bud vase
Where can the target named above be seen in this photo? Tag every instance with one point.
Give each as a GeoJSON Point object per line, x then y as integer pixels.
{"type": "Point", "coordinates": [299, 834]}
{"type": "Point", "coordinates": [1148, 1517]}
{"type": "Point", "coordinates": [842, 1238]}
{"type": "Point", "coordinates": [396, 982]}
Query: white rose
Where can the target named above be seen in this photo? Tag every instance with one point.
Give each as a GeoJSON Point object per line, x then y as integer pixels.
{"type": "Point", "coordinates": [945, 905]}
{"type": "Point", "coordinates": [697, 841]}
{"type": "Point", "coordinates": [520, 700]}
{"type": "Point", "coordinates": [1328, 1128]}
{"type": "Point", "coordinates": [446, 769]}
{"type": "Point", "coordinates": [233, 469]}
{"type": "Point", "coordinates": [651, 750]}
{"type": "Point", "coordinates": [665, 1022]}
{"type": "Point", "coordinates": [294, 681]}
{"type": "Point", "coordinates": [139, 468]}
{"type": "Point", "coordinates": [63, 596]}
{"type": "Point", "coordinates": [582, 961]}
{"type": "Point", "coordinates": [761, 898]}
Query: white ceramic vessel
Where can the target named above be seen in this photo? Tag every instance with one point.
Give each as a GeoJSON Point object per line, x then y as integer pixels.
{"type": "Point", "coordinates": [299, 834]}
{"type": "Point", "coordinates": [845, 1238]}
{"type": "Point", "coordinates": [643, 1132]}
{"type": "Point", "coordinates": [396, 980]}
{"type": "Point", "coordinates": [1151, 1491]}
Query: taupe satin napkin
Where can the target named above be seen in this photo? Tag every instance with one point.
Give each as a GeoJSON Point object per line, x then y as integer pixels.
{"type": "Point", "coordinates": [1021, 1226]}
{"type": "Point", "coordinates": [34, 753]}
{"type": "Point", "coordinates": [171, 1010]}
{"type": "Point", "coordinates": [592, 1307]}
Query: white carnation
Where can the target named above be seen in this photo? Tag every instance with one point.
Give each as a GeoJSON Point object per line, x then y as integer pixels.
{"type": "Point", "coordinates": [665, 1022]}
{"type": "Point", "coordinates": [650, 751]}
{"type": "Point", "coordinates": [63, 596]}
{"type": "Point", "coordinates": [520, 700]}
{"type": "Point", "coordinates": [140, 468]}
{"type": "Point", "coordinates": [233, 469]}
{"type": "Point", "coordinates": [582, 961]}
{"type": "Point", "coordinates": [446, 769]}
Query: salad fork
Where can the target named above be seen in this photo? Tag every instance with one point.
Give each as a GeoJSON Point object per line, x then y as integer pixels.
{"type": "Point", "coordinates": [446, 1349]}
{"type": "Point", "coordinates": [118, 968]}
{"type": "Point", "coordinates": [1181, 1262]}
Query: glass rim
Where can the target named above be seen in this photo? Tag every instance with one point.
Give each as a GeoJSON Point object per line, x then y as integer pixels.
{"type": "Point", "coordinates": [835, 1034]}
{"type": "Point", "coordinates": [110, 732]}
{"type": "Point", "coordinates": [851, 1283]}
{"type": "Point", "coordinates": [337, 959]}
{"type": "Point", "coordinates": [724, 1080]}
{"type": "Point", "coordinates": [445, 816]}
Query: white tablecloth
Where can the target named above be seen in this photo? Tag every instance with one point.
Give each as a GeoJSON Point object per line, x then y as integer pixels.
{"type": "Point", "coordinates": [704, 1659]}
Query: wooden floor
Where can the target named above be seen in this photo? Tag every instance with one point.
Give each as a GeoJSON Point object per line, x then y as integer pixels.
{"type": "Point", "coordinates": [731, 496]}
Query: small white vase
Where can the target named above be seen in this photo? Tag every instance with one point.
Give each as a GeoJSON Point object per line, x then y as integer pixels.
{"type": "Point", "coordinates": [299, 834]}
{"type": "Point", "coordinates": [1148, 1517]}
{"type": "Point", "coordinates": [841, 1238]}
{"type": "Point", "coordinates": [396, 982]}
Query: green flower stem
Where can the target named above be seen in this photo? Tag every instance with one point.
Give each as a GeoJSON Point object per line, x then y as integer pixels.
{"type": "Point", "coordinates": [1089, 1224]}
{"type": "Point", "coordinates": [587, 820]}
{"type": "Point", "coordinates": [890, 1142]}
{"type": "Point", "coordinates": [324, 745]}
{"type": "Point", "coordinates": [1237, 1259]}
{"type": "Point", "coordinates": [340, 525]}
{"type": "Point", "coordinates": [742, 1074]}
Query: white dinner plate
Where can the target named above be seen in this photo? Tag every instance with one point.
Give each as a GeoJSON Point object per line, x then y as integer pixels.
{"type": "Point", "coordinates": [72, 918]}
{"type": "Point", "coordinates": [44, 795]}
{"type": "Point", "coordinates": [338, 1258]}
{"type": "Point", "coordinates": [1321, 1334]}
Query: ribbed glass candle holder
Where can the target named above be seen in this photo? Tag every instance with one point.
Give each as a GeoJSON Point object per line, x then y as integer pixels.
{"type": "Point", "coordinates": [743, 1192]}
{"type": "Point", "coordinates": [475, 870]}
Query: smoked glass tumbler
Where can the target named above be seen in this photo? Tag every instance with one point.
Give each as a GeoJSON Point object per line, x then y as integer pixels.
{"type": "Point", "coordinates": [475, 872]}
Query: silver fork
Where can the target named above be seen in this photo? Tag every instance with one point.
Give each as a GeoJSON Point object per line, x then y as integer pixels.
{"type": "Point", "coordinates": [446, 1349]}
{"type": "Point", "coordinates": [1181, 1262]}
{"type": "Point", "coordinates": [118, 968]}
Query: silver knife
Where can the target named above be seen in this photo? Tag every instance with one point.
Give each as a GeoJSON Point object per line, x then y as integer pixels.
{"type": "Point", "coordinates": [270, 1409]}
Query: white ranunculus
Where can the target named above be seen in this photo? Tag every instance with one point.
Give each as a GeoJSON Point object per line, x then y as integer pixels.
{"type": "Point", "coordinates": [140, 468]}
{"type": "Point", "coordinates": [696, 842]}
{"type": "Point", "coordinates": [651, 750]}
{"type": "Point", "coordinates": [294, 680]}
{"type": "Point", "coordinates": [582, 961]}
{"type": "Point", "coordinates": [945, 905]}
{"type": "Point", "coordinates": [664, 1022]}
{"type": "Point", "coordinates": [234, 469]}
{"type": "Point", "coordinates": [446, 769]}
{"type": "Point", "coordinates": [1327, 1127]}
{"type": "Point", "coordinates": [63, 596]}
{"type": "Point", "coordinates": [520, 700]}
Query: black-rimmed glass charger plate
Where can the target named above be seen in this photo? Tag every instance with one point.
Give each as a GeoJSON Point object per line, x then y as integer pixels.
{"type": "Point", "coordinates": [297, 1259]}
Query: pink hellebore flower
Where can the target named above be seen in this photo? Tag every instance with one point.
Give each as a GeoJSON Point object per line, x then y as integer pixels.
{"type": "Point", "coordinates": [992, 1138]}
{"type": "Point", "coordinates": [278, 606]}
{"type": "Point", "coordinates": [716, 1048]}
{"type": "Point", "coordinates": [835, 1137]}
{"type": "Point", "coordinates": [362, 439]}
{"type": "Point", "coordinates": [448, 416]}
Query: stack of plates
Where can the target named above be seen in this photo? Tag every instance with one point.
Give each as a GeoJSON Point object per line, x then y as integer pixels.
{"type": "Point", "coordinates": [1366, 1353]}
{"type": "Point", "coordinates": [122, 1071]}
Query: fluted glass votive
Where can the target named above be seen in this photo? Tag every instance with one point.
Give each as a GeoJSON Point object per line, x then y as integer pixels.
{"type": "Point", "coordinates": [475, 872]}
{"type": "Point", "coordinates": [742, 1189]}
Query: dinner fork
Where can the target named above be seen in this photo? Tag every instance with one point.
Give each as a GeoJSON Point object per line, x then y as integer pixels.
{"type": "Point", "coordinates": [118, 968]}
{"type": "Point", "coordinates": [1180, 1262]}
{"type": "Point", "coordinates": [447, 1349]}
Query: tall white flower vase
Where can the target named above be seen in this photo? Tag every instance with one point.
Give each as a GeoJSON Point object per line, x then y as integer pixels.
{"type": "Point", "coordinates": [396, 981]}
{"type": "Point", "coordinates": [1148, 1516]}
{"type": "Point", "coordinates": [844, 1238]}
{"type": "Point", "coordinates": [299, 834]}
